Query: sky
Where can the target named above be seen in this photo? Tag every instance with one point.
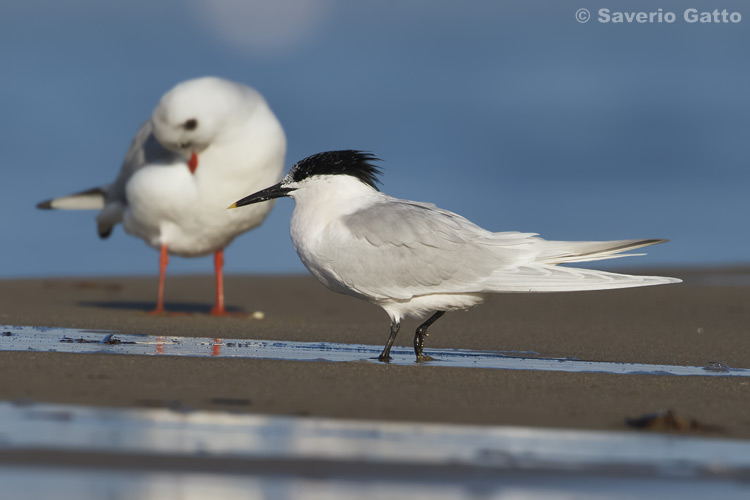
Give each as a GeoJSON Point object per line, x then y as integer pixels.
{"type": "Point", "coordinates": [513, 114]}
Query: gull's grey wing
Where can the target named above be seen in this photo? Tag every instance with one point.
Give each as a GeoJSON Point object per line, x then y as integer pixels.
{"type": "Point", "coordinates": [400, 249]}
{"type": "Point", "coordinates": [110, 199]}
{"type": "Point", "coordinates": [144, 150]}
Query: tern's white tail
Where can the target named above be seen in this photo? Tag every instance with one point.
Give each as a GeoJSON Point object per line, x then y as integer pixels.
{"type": "Point", "coordinates": [91, 199]}
{"type": "Point", "coordinates": [563, 252]}
{"type": "Point", "coordinates": [544, 275]}
{"type": "Point", "coordinates": [550, 278]}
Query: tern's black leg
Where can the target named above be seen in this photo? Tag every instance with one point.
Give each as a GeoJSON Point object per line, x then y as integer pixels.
{"type": "Point", "coordinates": [386, 354]}
{"type": "Point", "coordinates": [420, 335]}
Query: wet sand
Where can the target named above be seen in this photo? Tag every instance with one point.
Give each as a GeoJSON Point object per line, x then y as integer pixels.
{"type": "Point", "coordinates": [695, 323]}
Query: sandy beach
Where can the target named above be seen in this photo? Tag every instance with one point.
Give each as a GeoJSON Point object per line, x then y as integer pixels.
{"type": "Point", "coordinates": [696, 323]}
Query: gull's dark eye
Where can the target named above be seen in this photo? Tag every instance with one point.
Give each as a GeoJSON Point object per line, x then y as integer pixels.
{"type": "Point", "coordinates": [190, 124]}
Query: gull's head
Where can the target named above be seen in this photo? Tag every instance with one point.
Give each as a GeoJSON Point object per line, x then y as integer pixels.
{"type": "Point", "coordinates": [319, 168]}
{"type": "Point", "coordinates": [195, 113]}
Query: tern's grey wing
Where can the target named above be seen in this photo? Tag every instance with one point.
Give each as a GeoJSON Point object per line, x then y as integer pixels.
{"type": "Point", "coordinates": [144, 150]}
{"type": "Point", "coordinates": [401, 249]}
{"type": "Point", "coordinates": [397, 249]}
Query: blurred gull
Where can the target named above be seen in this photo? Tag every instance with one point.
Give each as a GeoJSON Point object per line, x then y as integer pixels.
{"type": "Point", "coordinates": [208, 142]}
{"type": "Point", "coordinates": [414, 258]}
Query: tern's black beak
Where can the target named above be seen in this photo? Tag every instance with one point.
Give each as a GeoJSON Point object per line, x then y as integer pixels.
{"type": "Point", "coordinates": [276, 191]}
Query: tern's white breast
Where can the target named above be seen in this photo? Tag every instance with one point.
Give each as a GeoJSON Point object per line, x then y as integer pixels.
{"type": "Point", "coordinates": [316, 228]}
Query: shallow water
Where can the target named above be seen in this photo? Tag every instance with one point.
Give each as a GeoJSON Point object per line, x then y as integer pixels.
{"type": "Point", "coordinates": [26, 338]}
{"type": "Point", "coordinates": [87, 452]}
{"type": "Point", "coordinates": [38, 483]}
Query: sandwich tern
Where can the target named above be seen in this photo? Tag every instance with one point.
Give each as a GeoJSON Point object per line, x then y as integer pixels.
{"type": "Point", "coordinates": [208, 141]}
{"type": "Point", "coordinates": [413, 258]}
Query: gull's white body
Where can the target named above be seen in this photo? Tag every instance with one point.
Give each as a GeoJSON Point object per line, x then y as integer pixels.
{"type": "Point", "coordinates": [240, 148]}
{"type": "Point", "coordinates": [413, 258]}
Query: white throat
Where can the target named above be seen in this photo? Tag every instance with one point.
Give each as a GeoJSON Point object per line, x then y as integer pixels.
{"type": "Point", "coordinates": [319, 205]}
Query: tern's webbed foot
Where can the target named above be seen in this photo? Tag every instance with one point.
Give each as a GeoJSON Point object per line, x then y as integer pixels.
{"type": "Point", "coordinates": [423, 357]}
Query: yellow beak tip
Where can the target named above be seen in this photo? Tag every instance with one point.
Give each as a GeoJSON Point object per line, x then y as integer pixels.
{"type": "Point", "coordinates": [233, 205]}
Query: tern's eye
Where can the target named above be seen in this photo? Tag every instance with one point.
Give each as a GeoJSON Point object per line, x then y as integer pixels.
{"type": "Point", "coordinates": [190, 124]}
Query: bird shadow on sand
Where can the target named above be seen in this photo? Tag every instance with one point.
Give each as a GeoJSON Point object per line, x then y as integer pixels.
{"type": "Point", "coordinates": [170, 307]}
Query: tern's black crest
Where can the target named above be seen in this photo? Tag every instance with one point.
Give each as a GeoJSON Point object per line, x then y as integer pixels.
{"type": "Point", "coordinates": [346, 162]}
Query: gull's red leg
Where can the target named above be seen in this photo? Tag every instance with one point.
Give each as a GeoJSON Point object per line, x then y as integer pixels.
{"type": "Point", "coordinates": [163, 261]}
{"type": "Point", "coordinates": [218, 309]}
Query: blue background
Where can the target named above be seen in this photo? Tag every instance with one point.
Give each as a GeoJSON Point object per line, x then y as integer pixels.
{"type": "Point", "coordinates": [513, 114]}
